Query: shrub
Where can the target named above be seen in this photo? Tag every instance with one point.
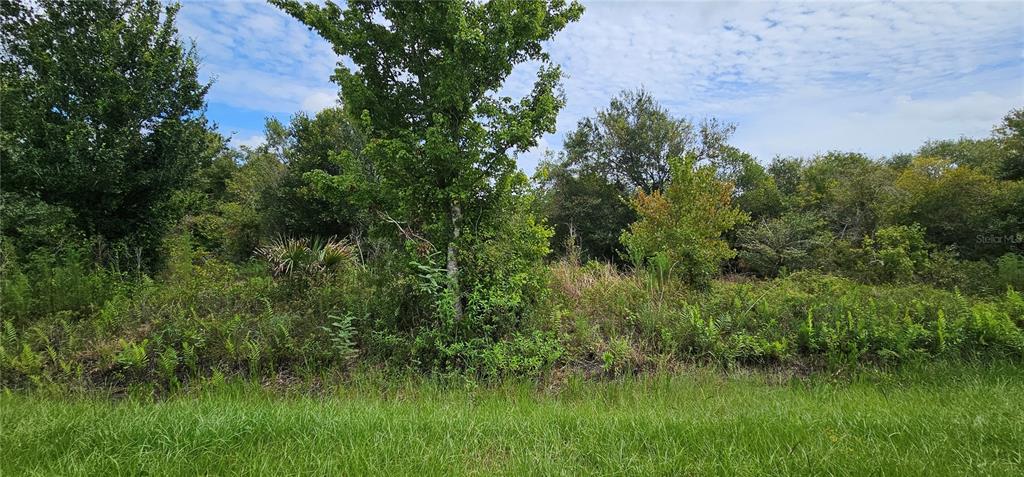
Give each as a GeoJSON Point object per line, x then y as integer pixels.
{"type": "Point", "coordinates": [204, 316]}
{"type": "Point", "coordinates": [1010, 271]}
{"type": "Point", "coordinates": [503, 288]}
{"type": "Point", "coordinates": [895, 254]}
{"type": "Point", "coordinates": [683, 227]}
{"type": "Point", "coordinates": [304, 257]}
{"type": "Point", "coordinates": [521, 355]}
{"type": "Point", "coordinates": [789, 242]}
{"type": "Point", "coordinates": [67, 280]}
{"type": "Point", "coordinates": [342, 333]}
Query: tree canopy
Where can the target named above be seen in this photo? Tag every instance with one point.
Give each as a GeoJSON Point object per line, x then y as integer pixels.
{"type": "Point", "coordinates": [425, 88]}
{"type": "Point", "coordinates": [103, 115]}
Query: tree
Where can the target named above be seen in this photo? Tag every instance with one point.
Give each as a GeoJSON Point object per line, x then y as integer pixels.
{"type": "Point", "coordinates": [317, 152]}
{"type": "Point", "coordinates": [786, 172]}
{"type": "Point", "coordinates": [425, 86]}
{"type": "Point", "coordinates": [632, 141]}
{"type": "Point", "coordinates": [755, 191]}
{"type": "Point", "coordinates": [681, 229]}
{"type": "Point", "coordinates": [626, 147]}
{"type": "Point", "coordinates": [961, 207]}
{"type": "Point", "coordinates": [897, 253]}
{"type": "Point", "coordinates": [1010, 137]}
{"type": "Point", "coordinates": [983, 155]}
{"type": "Point", "coordinates": [250, 193]}
{"type": "Point", "coordinates": [587, 204]}
{"type": "Point", "coordinates": [103, 112]}
{"type": "Point", "coordinates": [849, 190]}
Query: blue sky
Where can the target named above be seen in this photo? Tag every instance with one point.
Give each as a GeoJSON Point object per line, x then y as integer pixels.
{"type": "Point", "coordinates": [796, 78]}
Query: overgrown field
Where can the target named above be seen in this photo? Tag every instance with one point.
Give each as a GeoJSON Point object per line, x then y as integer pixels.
{"type": "Point", "coordinates": [141, 247]}
{"type": "Point", "coordinates": [936, 420]}
{"type": "Point", "coordinates": [379, 287]}
{"type": "Point", "coordinates": [80, 329]}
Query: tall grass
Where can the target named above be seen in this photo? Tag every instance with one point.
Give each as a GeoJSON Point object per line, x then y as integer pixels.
{"type": "Point", "coordinates": [638, 320]}
{"type": "Point", "coordinates": [934, 421]}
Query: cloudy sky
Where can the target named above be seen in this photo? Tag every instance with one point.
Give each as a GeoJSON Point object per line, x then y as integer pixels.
{"type": "Point", "coordinates": [796, 78]}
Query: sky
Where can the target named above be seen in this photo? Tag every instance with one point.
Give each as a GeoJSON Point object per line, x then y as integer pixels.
{"type": "Point", "coordinates": [795, 78]}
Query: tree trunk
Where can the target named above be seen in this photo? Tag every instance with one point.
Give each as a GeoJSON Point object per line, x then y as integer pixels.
{"type": "Point", "coordinates": [453, 261]}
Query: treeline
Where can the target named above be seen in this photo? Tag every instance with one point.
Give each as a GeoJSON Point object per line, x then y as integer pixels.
{"type": "Point", "coordinates": [950, 214]}
{"type": "Point", "coordinates": [139, 246]}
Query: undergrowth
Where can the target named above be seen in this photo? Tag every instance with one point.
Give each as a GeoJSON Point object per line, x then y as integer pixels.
{"type": "Point", "coordinates": [204, 317]}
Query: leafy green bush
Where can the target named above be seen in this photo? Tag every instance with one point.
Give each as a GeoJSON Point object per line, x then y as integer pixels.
{"type": "Point", "coordinates": [682, 228]}
{"type": "Point", "coordinates": [895, 254]}
{"type": "Point", "coordinates": [46, 282]}
{"type": "Point", "coordinates": [521, 355]}
{"type": "Point", "coordinates": [502, 287]}
{"type": "Point", "coordinates": [202, 315]}
{"type": "Point", "coordinates": [299, 256]}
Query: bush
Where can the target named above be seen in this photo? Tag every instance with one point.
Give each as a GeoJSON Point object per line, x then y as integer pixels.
{"type": "Point", "coordinates": [1010, 271]}
{"type": "Point", "coordinates": [66, 281]}
{"type": "Point", "coordinates": [202, 315]}
{"type": "Point", "coordinates": [502, 284]}
{"type": "Point", "coordinates": [681, 230]}
{"type": "Point", "coordinates": [789, 242]}
{"type": "Point", "coordinates": [895, 254]}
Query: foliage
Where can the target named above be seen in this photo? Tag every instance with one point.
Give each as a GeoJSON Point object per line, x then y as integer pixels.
{"type": "Point", "coordinates": [811, 319]}
{"type": "Point", "coordinates": [849, 190]}
{"type": "Point", "coordinates": [299, 256]}
{"type": "Point", "coordinates": [633, 141]}
{"type": "Point", "coordinates": [895, 254]}
{"type": "Point", "coordinates": [243, 216]}
{"type": "Point", "coordinates": [342, 335]}
{"type": "Point", "coordinates": [790, 242]}
{"type": "Point", "coordinates": [984, 155]}
{"type": "Point", "coordinates": [1010, 137]}
{"type": "Point", "coordinates": [425, 85]}
{"type": "Point", "coordinates": [102, 115]}
{"type": "Point", "coordinates": [205, 316]}
{"type": "Point", "coordinates": [627, 147]}
{"type": "Point", "coordinates": [684, 226]}
{"type": "Point", "coordinates": [961, 207]}
{"type": "Point", "coordinates": [755, 191]}
{"type": "Point", "coordinates": [1010, 271]}
{"type": "Point", "coordinates": [586, 205]}
{"type": "Point", "coordinates": [29, 224]}
{"type": "Point", "coordinates": [137, 246]}
{"type": "Point", "coordinates": [324, 177]}
{"type": "Point", "coordinates": [65, 282]}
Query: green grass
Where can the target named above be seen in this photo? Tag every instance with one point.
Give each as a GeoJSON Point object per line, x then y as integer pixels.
{"type": "Point", "coordinates": [935, 421]}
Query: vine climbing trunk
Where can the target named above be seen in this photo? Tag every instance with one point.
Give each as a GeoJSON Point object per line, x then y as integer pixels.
{"type": "Point", "coordinates": [453, 260]}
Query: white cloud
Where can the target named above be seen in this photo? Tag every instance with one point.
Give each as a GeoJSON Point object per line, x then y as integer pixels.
{"type": "Point", "coordinates": [879, 127]}
{"type": "Point", "coordinates": [319, 100]}
{"type": "Point", "coordinates": [259, 57]}
{"type": "Point", "coordinates": [252, 140]}
{"type": "Point", "coordinates": [796, 78]}
{"type": "Point", "coordinates": [802, 78]}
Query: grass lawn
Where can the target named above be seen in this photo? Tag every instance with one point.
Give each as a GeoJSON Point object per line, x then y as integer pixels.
{"type": "Point", "coordinates": [939, 420]}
